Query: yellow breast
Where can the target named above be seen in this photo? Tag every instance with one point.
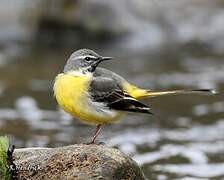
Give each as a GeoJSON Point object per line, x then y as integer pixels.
{"type": "Point", "coordinates": [72, 95]}
{"type": "Point", "coordinates": [70, 92]}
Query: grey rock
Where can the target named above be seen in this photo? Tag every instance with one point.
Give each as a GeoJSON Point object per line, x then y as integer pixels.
{"type": "Point", "coordinates": [75, 162]}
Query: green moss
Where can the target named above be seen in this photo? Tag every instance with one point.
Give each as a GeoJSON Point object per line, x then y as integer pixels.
{"type": "Point", "coordinates": [4, 168]}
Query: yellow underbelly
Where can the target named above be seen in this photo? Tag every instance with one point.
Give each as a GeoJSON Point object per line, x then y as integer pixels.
{"type": "Point", "coordinates": [72, 95]}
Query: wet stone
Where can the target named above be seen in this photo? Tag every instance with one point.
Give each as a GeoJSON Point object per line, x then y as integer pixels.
{"type": "Point", "coordinates": [75, 162]}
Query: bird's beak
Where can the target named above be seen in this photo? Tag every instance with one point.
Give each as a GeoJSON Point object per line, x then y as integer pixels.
{"type": "Point", "coordinates": [101, 59]}
{"type": "Point", "coordinates": [105, 58]}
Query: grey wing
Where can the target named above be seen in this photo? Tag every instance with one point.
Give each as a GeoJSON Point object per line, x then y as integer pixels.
{"type": "Point", "coordinates": [109, 92]}
{"type": "Point", "coordinates": [102, 72]}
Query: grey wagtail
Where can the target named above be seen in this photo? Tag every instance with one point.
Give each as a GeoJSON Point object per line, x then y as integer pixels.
{"type": "Point", "coordinates": [99, 96]}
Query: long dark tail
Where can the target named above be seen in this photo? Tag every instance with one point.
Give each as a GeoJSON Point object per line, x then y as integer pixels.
{"type": "Point", "coordinates": [151, 93]}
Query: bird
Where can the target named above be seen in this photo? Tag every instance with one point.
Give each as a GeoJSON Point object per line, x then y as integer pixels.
{"type": "Point", "coordinates": [98, 96]}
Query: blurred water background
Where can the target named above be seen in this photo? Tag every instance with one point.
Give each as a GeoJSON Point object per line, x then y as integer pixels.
{"type": "Point", "coordinates": [157, 44]}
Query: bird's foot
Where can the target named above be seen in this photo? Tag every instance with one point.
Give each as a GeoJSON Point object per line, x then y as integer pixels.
{"type": "Point", "coordinates": [96, 143]}
{"type": "Point", "coordinates": [88, 143]}
{"type": "Point", "coordinates": [101, 143]}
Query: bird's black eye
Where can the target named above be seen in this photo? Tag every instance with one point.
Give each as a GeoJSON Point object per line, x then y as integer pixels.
{"type": "Point", "coordinates": [87, 58]}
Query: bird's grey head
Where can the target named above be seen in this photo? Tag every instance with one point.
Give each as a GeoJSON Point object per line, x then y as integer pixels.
{"type": "Point", "coordinates": [85, 60]}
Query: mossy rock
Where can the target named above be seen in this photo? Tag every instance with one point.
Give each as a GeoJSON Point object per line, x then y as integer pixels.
{"type": "Point", "coordinates": [75, 162]}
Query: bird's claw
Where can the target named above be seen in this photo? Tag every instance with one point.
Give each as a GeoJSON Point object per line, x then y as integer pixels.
{"type": "Point", "coordinates": [99, 143]}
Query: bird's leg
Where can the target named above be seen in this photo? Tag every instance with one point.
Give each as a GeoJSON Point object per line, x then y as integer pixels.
{"type": "Point", "coordinates": [98, 129]}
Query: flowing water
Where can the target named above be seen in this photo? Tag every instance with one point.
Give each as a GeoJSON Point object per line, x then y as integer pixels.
{"type": "Point", "coordinates": [184, 139]}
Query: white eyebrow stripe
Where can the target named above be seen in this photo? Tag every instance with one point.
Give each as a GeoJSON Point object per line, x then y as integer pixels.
{"type": "Point", "coordinates": [83, 57]}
